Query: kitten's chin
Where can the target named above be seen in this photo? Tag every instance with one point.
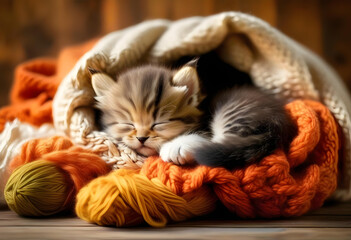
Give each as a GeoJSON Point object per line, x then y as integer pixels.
{"type": "Point", "coordinates": [146, 151]}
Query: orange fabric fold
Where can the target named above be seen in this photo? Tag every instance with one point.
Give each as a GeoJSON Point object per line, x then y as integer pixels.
{"type": "Point", "coordinates": [35, 84]}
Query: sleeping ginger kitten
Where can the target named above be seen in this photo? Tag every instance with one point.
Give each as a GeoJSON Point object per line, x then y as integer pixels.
{"type": "Point", "coordinates": [154, 110]}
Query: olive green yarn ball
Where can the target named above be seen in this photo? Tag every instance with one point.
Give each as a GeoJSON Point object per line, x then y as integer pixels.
{"type": "Point", "coordinates": [36, 189]}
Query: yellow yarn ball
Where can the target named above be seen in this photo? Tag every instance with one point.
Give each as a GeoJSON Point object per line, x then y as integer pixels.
{"type": "Point", "coordinates": [37, 188]}
{"type": "Point", "coordinates": [126, 198]}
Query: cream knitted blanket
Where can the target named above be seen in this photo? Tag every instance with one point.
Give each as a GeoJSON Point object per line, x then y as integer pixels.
{"type": "Point", "coordinates": [275, 63]}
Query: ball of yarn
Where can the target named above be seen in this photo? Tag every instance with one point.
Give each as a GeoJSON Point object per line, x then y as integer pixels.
{"type": "Point", "coordinates": [38, 188]}
{"type": "Point", "coordinates": [48, 173]}
{"type": "Point", "coordinates": [126, 198]}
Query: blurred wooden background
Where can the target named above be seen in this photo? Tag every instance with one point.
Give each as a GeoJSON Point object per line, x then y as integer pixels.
{"type": "Point", "coordinates": [33, 28]}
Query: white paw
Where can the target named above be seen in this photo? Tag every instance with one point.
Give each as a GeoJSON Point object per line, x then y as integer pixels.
{"type": "Point", "coordinates": [176, 153]}
{"type": "Point", "coordinates": [180, 150]}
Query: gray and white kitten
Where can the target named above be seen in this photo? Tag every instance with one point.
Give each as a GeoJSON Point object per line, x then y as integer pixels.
{"type": "Point", "coordinates": [155, 110]}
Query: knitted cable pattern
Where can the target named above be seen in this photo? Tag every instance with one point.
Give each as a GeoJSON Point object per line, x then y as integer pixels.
{"type": "Point", "coordinates": [280, 184]}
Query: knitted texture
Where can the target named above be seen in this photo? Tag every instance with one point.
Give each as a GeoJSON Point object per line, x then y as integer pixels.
{"type": "Point", "coordinates": [81, 164]}
{"type": "Point", "coordinates": [276, 64]}
{"type": "Point", "coordinates": [32, 93]}
{"type": "Point", "coordinates": [35, 86]}
{"type": "Point", "coordinates": [279, 185]}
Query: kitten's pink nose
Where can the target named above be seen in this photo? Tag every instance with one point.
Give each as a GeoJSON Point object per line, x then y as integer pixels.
{"type": "Point", "coordinates": [142, 139]}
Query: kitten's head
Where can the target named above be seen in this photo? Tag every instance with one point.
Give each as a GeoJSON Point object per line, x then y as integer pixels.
{"type": "Point", "coordinates": [148, 105]}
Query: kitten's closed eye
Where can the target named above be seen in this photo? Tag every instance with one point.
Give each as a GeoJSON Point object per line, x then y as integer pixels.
{"type": "Point", "coordinates": [124, 127]}
{"type": "Point", "coordinates": [171, 125]}
{"type": "Point", "coordinates": [159, 126]}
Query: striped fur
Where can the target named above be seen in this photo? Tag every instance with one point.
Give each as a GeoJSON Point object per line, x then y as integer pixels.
{"type": "Point", "coordinates": [148, 102]}
{"type": "Point", "coordinates": [246, 126]}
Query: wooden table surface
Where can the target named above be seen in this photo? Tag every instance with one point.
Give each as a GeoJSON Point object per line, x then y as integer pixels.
{"type": "Point", "coordinates": [333, 221]}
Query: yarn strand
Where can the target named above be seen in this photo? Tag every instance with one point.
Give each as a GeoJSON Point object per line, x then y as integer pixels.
{"type": "Point", "coordinates": [131, 198]}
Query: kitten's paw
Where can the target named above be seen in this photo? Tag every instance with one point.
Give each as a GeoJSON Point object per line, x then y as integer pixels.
{"type": "Point", "coordinates": [174, 152]}
{"type": "Point", "coordinates": [180, 150]}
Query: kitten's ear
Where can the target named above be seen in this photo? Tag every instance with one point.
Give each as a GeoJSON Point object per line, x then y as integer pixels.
{"type": "Point", "coordinates": [193, 63]}
{"type": "Point", "coordinates": [187, 77]}
{"type": "Point", "coordinates": [101, 82]}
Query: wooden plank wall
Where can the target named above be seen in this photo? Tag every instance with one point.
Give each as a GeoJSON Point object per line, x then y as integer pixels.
{"type": "Point", "coordinates": [32, 28]}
